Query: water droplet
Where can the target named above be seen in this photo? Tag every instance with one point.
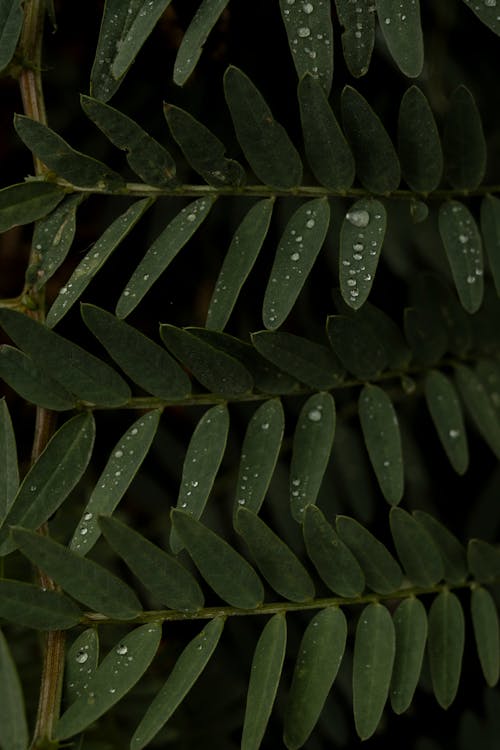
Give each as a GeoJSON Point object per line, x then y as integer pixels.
{"type": "Point", "coordinates": [296, 482]}
{"type": "Point", "coordinates": [122, 649]}
{"type": "Point", "coordinates": [88, 516]}
{"type": "Point", "coordinates": [454, 434]}
{"type": "Point", "coordinates": [462, 238]}
{"type": "Point", "coordinates": [82, 657]}
{"type": "Point", "coordinates": [387, 21]}
{"type": "Point", "coordinates": [84, 531]}
{"type": "Point", "coordinates": [351, 282]}
{"type": "Point", "coordinates": [304, 32]}
{"type": "Point", "coordinates": [191, 217]}
{"type": "Point", "coordinates": [310, 223]}
{"type": "Point", "coordinates": [134, 431]}
{"type": "Point", "coordinates": [264, 426]}
{"type": "Point", "coordinates": [118, 454]}
{"type": "Point", "coordinates": [308, 8]}
{"type": "Point", "coordinates": [241, 501]}
{"type": "Point", "coordinates": [358, 247]}
{"type": "Point", "coordinates": [315, 414]}
{"type": "Point", "coordinates": [295, 256]}
{"type": "Point", "coordinates": [358, 218]}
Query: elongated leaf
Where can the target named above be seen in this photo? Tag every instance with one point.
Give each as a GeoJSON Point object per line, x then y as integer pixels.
{"type": "Point", "coordinates": [487, 633]}
{"type": "Point", "coordinates": [229, 574]}
{"type": "Point", "coordinates": [123, 666]}
{"type": "Point", "coordinates": [479, 406]}
{"type": "Point", "coordinates": [148, 158]}
{"type": "Point", "coordinates": [313, 364]}
{"type": "Point", "coordinates": [144, 361]}
{"type": "Point", "coordinates": [374, 651]}
{"type": "Point", "coordinates": [181, 679]}
{"type": "Point", "coordinates": [312, 446]}
{"type": "Point", "coordinates": [27, 202]}
{"type": "Point", "coordinates": [360, 246]}
{"type": "Point", "coordinates": [419, 144]}
{"type": "Point", "coordinates": [297, 251]}
{"type": "Point", "coordinates": [167, 580]}
{"type": "Point", "coordinates": [201, 464]}
{"type": "Point", "coordinates": [427, 340]}
{"type": "Point", "coordinates": [94, 260]}
{"type": "Point", "coordinates": [402, 31]}
{"type": "Point", "coordinates": [410, 623]}
{"type": "Point", "coordinates": [446, 412]}
{"type": "Point", "coordinates": [267, 664]}
{"type": "Point", "coordinates": [83, 374]}
{"type": "Point", "coordinates": [11, 23]}
{"type": "Point", "coordinates": [195, 37]}
{"type": "Point", "coordinates": [358, 39]}
{"type": "Point", "coordinates": [357, 344]}
{"type": "Point", "coordinates": [50, 480]}
{"type": "Point", "coordinates": [238, 262]}
{"type": "Point", "coordinates": [380, 427]}
{"type": "Point", "coordinates": [462, 242]}
{"type": "Point", "coordinates": [265, 142]}
{"type": "Point", "coordinates": [446, 645]}
{"type": "Point", "coordinates": [26, 379]}
{"type": "Point", "coordinates": [125, 26]}
{"type": "Point", "coordinates": [416, 549]}
{"type": "Point", "coordinates": [31, 607]}
{"type": "Point", "coordinates": [9, 472]}
{"type": "Point", "coordinates": [381, 570]}
{"type": "Point", "coordinates": [83, 579]}
{"type": "Point", "coordinates": [483, 560]}
{"type": "Point", "coordinates": [13, 727]}
{"type": "Point", "coordinates": [121, 467]}
{"type": "Point", "coordinates": [490, 229]}
{"type": "Point", "coordinates": [318, 660]}
{"type": "Point", "coordinates": [161, 253]}
{"type": "Point", "coordinates": [333, 560]}
{"type": "Point", "coordinates": [451, 551]}
{"type": "Point", "coordinates": [463, 141]}
{"type": "Point", "coordinates": [81, 664]}
{"type": "Point", "coordinates": [377, 164]}
{"type": "Point", "coordinates": [202, 149]}
{"type": "Point", "coordinates": [327, 150]}
{"type": "Point", "coordinates": [487, 12]}
{"type": "Point", "coordinates": [310, 36]}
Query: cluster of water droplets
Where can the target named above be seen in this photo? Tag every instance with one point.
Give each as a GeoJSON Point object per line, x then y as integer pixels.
{"type": "Point", "coordinates": [359, 262]}
{"type": "Point", "coordinates": [304, 34]}
{"type": "Point", "coordinates": [467, 238]}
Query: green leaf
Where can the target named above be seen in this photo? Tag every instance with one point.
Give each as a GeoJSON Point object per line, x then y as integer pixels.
{"type": "Point", "coordinates": [144, 361]}
{"type": "Point", "coordinates": [238, 262]}
{"type": "Point", "coordinates": [451, 551]}
{"type": "Point", "coordinates": [381, 570]}
{"type": "Point", "coordinates": [27, 202]}
{"type": "Point", "coordinates": [229, 574]}
{"type": "Point", "coordinates": [487, 633]}
{"type": "Point", "coordinates": [419, 144]}
{"type": "Point", "coordinates": [202, 149]}
{"type": "Point", "coordinates": [201, 464]}
{"type": "Point", "coordinates": [125, 26]}
{"type": "Point", "coordinates": [265, 142]}
{"type": "Point", "coordinates": [278, 564]}
{"type": "Point", "coordinates": [446, 412]}
{"type": "Point", "coordinates": [196, 35]}
{"type": "Point", "coordinates": [490, 229]}
{"type": "Point", "coordinates": [77, 168]}
{"type": "Point", "coordinates": [51, 478]}
{"type": "Point", "coordinates": [402, 31]}
{"type": "Point", "coordinates": [358, 345]}
{"type": "Point", "coordinates": [462, 242]}
{"type": "Point", "coordinates": [267, 664]}
{"type": "Point", "coordinates": [377, 164]}
{"type": "Point", "coordinates": [166, 579]}
{"type": "Point", "coordinates": [479, 406]}
{"type": "Point", "coordinates": [13, 727]}
{"type": "Point", "coordinates": [88, 378]}
{"type": "Point", "coordinates": [310, 36]}
{"type": "Point", "coordinates": [32, 607]}
{"type": "Point", "coordinates": [410, 623]}
{"type": "Point", "coordinates": [122, 667]}
{"type": "Point", "coordinates": [161, 253]}
{"type": "Point", "coordinates": [31, 383]}
{"type": "Point", "coordinates": [380, 427]}
{"type": "Point", "coordinates": [9, 472]}
{"type": "Point", "coordinates": [318, 660]}
{"type": "Point", "coordinates": [333, 560]}
{"type": "Point", "coordinates": [11, 23]}
{"type": "Point", "coordinates": [426, 338]}
{"type": "Point", "coordinates": [297, 251]}
{"type": "Point", "coordinates": [327, 150]}
{"type": "Point", "coordinates": [121, 467]}
{"type": "Point", "coordinates": [416, 549]}
{"type": "Point", "coordinates": [374, 651]}
{"type": "Point", "coordinates": [85, 580]}
{"type": "Point", "coordinates": [361, 237]}
{"type": "Point", "coordinates": [445, 646]}
{"type": "Point", "coordinates": [358, 38]}
{"type": "Point", "coordinates": [81, 663]}
{"type": "Point", "coordinates": [181, 679]}
{"type": "Point", "coordinates": [463, 142]}
{"type": "Point", "coordinates": [483, 560]}
{"type": "Point", "coordinates": [259, 454]}
{"type": "Point", "coordinates": [146, 157]}
{"type": "Point", "coordinates": [312, 446]}
{"type": "Point", "coordinates": [312, 363]}
{"type": "Point", "coordinates": [94, 260]}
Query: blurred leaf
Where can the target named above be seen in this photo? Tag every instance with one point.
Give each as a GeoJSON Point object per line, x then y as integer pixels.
{"type": "Point", "coordinates": [297, 251]}
{"type": "Point", "coordinates": [27, 202]}
{"type": "Point", "coordinates": [188, 54]}
{"type": "Point", "coordinates": [181, 679]}
{"type": "Point", "coordinates": [360, 247]}
{"type": "Point", "coordinates": [483, 560]}
{"type": "Point", "coordinates": [416, 549]}
{"type": "Point", "coordinates": [13, 727]}
{"type": "Point", "coordinates": [426, 337]}
{"type": "Point", "coordinates": [487, 12]}
{"type": "Point", "coordinates": [463, 142]}
{"type": "Point", "coordinates": [31, 383]}
{"type": "Point", "coordinates": [357, 344]}
{"type": "Point", "coordinates": [318, 660]}
{"type": "Point", "coordinates": [402, 31]}
{"type": "Point", "coordinates": [32, 607]}
{"type": "Point", "coordinates": [451, 551]}
{"type": "Point", "coordinates": [123, 666]}
{"type": "Point", "coordinates": [462, 242]}
{"type": "Point", "coordinates": [327, 150]}
{"type": "Point", "coordinates": [446, 412]}
{"type": "Point", "coordinates": [358, 39]}
{"type": "Point", "coordinates": [487, 633]}
{"type": "Point", "coordinates": [410, 623]}
{"type": "Point", "coordinates": [490, 228]}
{"type": "Point", "coordinates": [312, 446]}
{"type": "Point", "coordinates": [267, 664]}
{"type": "Point", "coordinates": [310, 36]}
{"type": "Point", "coordinates": [374, 650]}
{"type": "Point", "coordinates": [11, 23]}
{"type": "Point", "coordinates": [81, 663]}
{"type": "Point", "coordinates": [121, 467]}
{"type": "Point", "coordinates": [445, 646]}
{"type": "Point", "coordinates": [229, 574]}
{"type": "Point", "coordinates": [52, 239]}
{"type": "Point", "coordinates": [9, 472]}
{"type": "Point", "coordinates": [419, 143]}
{"type": "Point", "coordinates": [85, 580]}
{"type": "Point", "coordinates": [479, 406]}
{"type": "Point", "coordinates": [265, 142]}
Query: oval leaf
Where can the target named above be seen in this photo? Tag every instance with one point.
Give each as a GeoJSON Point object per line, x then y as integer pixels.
{"type": "Point", "coordinates": [360, 246]}
{"type": "Point", "coordinates": [446, 645]}
{"type": "Point", "coordinates": [27, 202]}
{"type": "Point", "coordinates": [487, 633]}
{"type": "Point", "coordinates": [358, 344]}
{"type": "Point", "coordinates": [410, 623]}
{"type": "Point", "coordinates": [81, 663]}
{"type": "Point", "coordinates": [483, 560]}
{"type": "Point", "coordinates": [487, 12]}
{"type": "Point", "coordinates": [358, 39]}
{"type": "Point", "coordinates": [402, 31]}
{"type": "Point", "coordinates": [52, 239]}
{"type": "Point", "coordinates": [462, 242]}
{"type": "Point", "coordinates": [9, 472]}
{"type": "Point", "coordinates": [13, 727]}
{"type": "Point", "coordinates": [479, 406]}
{"type": "Point", "coordinates": [416, 549]}
{"type": "Point", "coordinates": [446, 412]}
{"type": "Point", "coordinates": [31, 607]}
{"type": "Point", "coordinates": [451, 551]}
{"type": "Point", "coordinates": [419, 144]}
{"type": "Point", "coordinates": [463, 141]}
{"type": "Point", "coordinates": [196, 35]}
